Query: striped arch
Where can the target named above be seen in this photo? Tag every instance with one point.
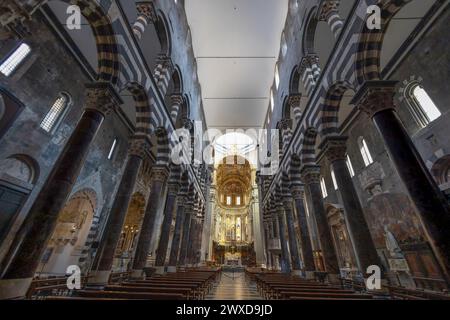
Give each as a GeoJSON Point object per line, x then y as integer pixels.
{"type": "Point", "coordinates": [287, 112]}
{"type": "Point", "coordinates": [107, 50]}
{"type": "Point", "coordinates": [329, 114]}
{"type": "Point", "coordinates": [309, 35]}
{"type": "Point", "coordinates": [143, 110]}
{"type": "Point", "coordinates": [163, 147]}
{"type": "Point", "coordinates": [177, 79]}
{"type": "Point", "coordinates": [294, 82]}
{"type": "Point", "coordinates": [163, 33]}
{"type": "Point", "coordinates": [371, 42]}
{"type": "Point", "coordinates": [308, 147]}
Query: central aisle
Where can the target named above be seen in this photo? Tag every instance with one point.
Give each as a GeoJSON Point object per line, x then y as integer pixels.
{"type": "Point", "coordinates": [234, 286]}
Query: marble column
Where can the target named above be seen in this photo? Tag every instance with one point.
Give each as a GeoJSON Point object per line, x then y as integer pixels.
{"type": "Point", "coordinates": [376, 98]}
{"type": "Point", "coordinates": [285, 261]}
{"type": "Point", "coordinates": [294, 103]}
{"type": "Point", "coordinates": [119, 209]}
{"type": "Point", "coordinates": [293, 247]}
{"type": "Point", "coordinates": [335, 149]}
{"type": "Point", "coordinates": [163, 73]}
{"type": "Point", "coordinates": [307, 76]}
{"type": "Point", "coordinates": [177, 101]}
{"type": "Point", "coordinates": [313, 61]}
{"type": "Point", "coordinates": [35, 232]}
{"type": "Point", "coordinates": [185, 238]}
{"type": "Point", "coordinates": [329, 12]}
{"type": "Point", "coordinates": [146, 15]}
{"type": "Point", "coordinates": [175, 247]}
{"type": "Point", "coordinates": [171, 200]}
{"type": "Point", "coordinates": [298, 194]}
{"type": "Point", "coordinates": [266, 239]}
{"type": "Point", "coordinates": [311, 178]}
{"type": "Point", "coordinates": [158, 184]}
{"type": "Point", "coordinates": [190, 255]}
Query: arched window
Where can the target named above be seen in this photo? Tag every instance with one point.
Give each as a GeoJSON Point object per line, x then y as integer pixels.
{"type": "Point", "coordinates": [272, 101]}
{"type": "Point", "coordinates": [323, 186]}
{"type": "Point", "coordinates": [277, 76]}
{"type": "Point", "coordinates": [112, 149]}
{"type": "Point", "coordinates": [333, 177]}
{"type": "Point", "coordinates": [238, 200]}
{"type": "Point", "coordinates": [56, 113]}
{"type": "Point", "coordinates": [228, 200]}
{"type": "Point", "coordinates": [421, 105]}
{"type": "Point", "coordinates": [350, 166]}
{"type": "Point", "coordinates": [10, 64]}
{"type": "Point", "coordinates": [365, 153]}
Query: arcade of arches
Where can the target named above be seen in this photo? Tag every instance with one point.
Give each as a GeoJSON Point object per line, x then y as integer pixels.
{"type": "Point", "coordinates": [276, 138]}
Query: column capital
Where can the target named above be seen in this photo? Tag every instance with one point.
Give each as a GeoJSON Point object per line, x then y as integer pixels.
{"type": "Point", "coordinates": [287, 202]}
{"type": "Point", "coordinates": [176, 99]}
{"type": "Point", "coordinates": [298, 192]}
{"type": "Point", "coordinates": [294, 100]}
{"type": "Point", "coordinates": [13, 14]}
{"type": "Point", "coordinates": [284, 124]}
{"type": "Point", "coordinates": [147, 9]}
{"type": "Point", "coordinates": [335, 148]}
{"type": "Point", "coordinates": [187, 124]}
{"type": "Point", "coordinates": [375, 96]}
{"type": "Point", "coordinates": [327, 8]}
{"type": "Point", "coordinates": [138, 147]}
{"type": "Point", "coordinates": [172, 188]}
{"type": "Point", "coordinates": [160, 173]}
{"type": "Point", "coordinates": [102, 97]}
{"type": "Point", "coordinates": [311, 59]}
{"type": "Point", "coordinates": [310, 173]}
{"type": "Point", "coordinates": [165, 60]}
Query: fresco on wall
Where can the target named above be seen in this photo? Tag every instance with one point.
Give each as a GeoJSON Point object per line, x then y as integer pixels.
{"type": "Point", "coordinates": [395, 213]}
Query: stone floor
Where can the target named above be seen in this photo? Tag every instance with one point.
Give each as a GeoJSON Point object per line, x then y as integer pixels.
{"type": "Point", "coordinates": [234, 286]}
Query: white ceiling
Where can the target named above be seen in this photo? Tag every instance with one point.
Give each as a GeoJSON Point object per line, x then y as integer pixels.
{"type": "Point", "coordinates": [236, 43]}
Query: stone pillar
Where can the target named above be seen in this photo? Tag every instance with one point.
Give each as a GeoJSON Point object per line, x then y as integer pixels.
{"type": "Point", "coordinates": [266, 239]}
{"type": "Point", "coordinates": [311, 178]}
{"type": "Point", "coordinates": [285, 261]}
{"type": "Point", "coordinates": [171, 200]}
{"type": "Point", "coordinates": [286, 127]}
{"type": "Point", "coordinates": [179, 221]}
{"type": "Point", "coordinates": [335, 149]}
{"type": "Point", "coordinates": [185, 238]}
{"type": "Point", "coordinates": [313, 61]}
{"type": "Point", "coordinates": [177, 101]}
{"type": "Point", "coordinates": [307, 75]}
{"type": "Point", "coordinates": [307, 252]}
{"type": "Point", "coordinates": [35, 232]}
{"type": "Point", "coordinates": [329, 12]}
{"type": "Point", "coordinates": [376, 98]}
{"type": "Point", "coordinates": [191, 242]}
{"type": "Point", "coordinates": [158, 185]}
{"type": "Point", "coordinates": [294, 103]}
{"type": "Point", "coordinates": [293, 247]}
{"type": "Point", "coordinates": [119, 209]}
{"type": "Point", "coordinates": [163, 73]}
{"type": "Point", "coordinates": [146, 14]}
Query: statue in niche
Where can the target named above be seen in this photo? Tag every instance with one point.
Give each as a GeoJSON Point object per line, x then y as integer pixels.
{"type": "Point", "coordinates": [392, 245]}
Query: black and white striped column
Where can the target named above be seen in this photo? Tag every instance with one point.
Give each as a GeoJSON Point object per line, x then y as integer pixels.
{"type": "Point", "coordinates": [330, 13]}
{"type": "Point", "coordinates": [177, 101]}
{"type": "Point", "coordinates": [306, 73]}
{"type": "Point", "coordinates": [163, 72]}
{"type": "Point", "coordinates": [294, 103]}
{"type": "Point", "coordinates": [146, 15]}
